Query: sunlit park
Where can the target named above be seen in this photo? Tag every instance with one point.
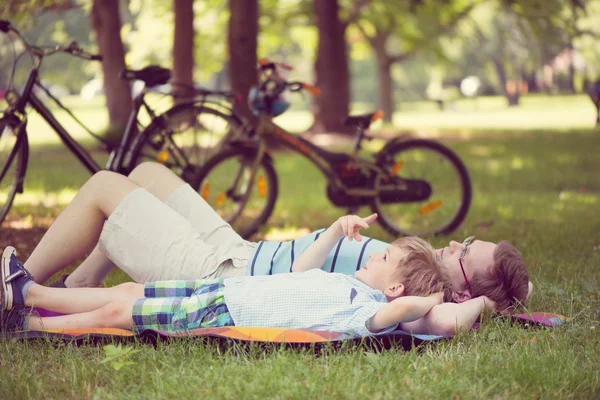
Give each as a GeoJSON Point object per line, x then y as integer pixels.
{"type": "Point", "coordinates": [475, 119]}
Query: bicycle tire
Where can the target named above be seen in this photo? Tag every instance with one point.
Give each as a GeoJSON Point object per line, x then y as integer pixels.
{"type": "Point", "coordinates": [433, 210]}
{"type": "Point", "coordinates": [244, 224]}
{"type": "Point", "coordinates": [167, 137]}
{"type": "Point", "coordinates": [17, 167]}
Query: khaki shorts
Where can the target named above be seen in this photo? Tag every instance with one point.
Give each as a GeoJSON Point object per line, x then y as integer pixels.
{"type": "Point", "coordinates": [181, 239]}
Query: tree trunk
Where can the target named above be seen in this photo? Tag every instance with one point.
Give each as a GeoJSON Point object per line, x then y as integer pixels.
{"type": "Point", "coordinates": [510, 89]}
{"type": "Point", "coordinates": [331, 69]}
{"type": "Point", "coordinates": [242, 42]}
{"type": "Point", "coordinates": [571, 83]}
{"type": "Point", "coordinates": [183, 51]}
{"type": "Point", "coordinates": [107, 25]}
{"type": "Point", "coordinates": [385, 91]}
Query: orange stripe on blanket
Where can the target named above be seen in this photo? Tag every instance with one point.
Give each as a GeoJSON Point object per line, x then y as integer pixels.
{"type": "Point", "coordinates": [264, 334]}
{"type": "Point", "coordinates": [272, 334]}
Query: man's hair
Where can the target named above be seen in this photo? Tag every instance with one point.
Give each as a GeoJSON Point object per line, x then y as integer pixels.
{"type": "Point", "coordinates": [506, 281]}
{"type": "Point", "coordinates": [420, 270]}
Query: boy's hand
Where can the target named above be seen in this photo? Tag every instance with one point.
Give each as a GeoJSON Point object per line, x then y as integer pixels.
{"type": "Point", "coordinates": [438, 297]}
{"type": "Point", "coordinates": [350, 225]}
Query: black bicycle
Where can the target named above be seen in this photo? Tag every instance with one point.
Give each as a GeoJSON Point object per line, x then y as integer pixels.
{"type": "Point", "coordinates": [181, 138]}
{"type": "Point", "coordinates": [416, 186]}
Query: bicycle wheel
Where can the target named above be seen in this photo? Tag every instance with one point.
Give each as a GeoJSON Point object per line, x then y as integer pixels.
{"type": "Point", "coordinates": [13, 162]}
{"type": "Point", "coordinates": [427, 190]}
{"type": "Point", "coordinates": [243, 200]}
{"type": "Point", "coordinates": [184, 137]}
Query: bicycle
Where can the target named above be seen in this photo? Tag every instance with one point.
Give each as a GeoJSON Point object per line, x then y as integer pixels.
{"type": "Point", "coordinates": [416, 186]}
{"type": "Point", "coordinates": [180, 138]}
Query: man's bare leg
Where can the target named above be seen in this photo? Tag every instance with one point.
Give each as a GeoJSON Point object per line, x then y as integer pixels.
{"type": "Point", "coordinates": [155, 178]}
{"type": "Point", "coordinates": [77, 229]}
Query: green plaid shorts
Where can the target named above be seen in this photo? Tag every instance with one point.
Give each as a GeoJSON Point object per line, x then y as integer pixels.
{"type": "Point", "coordinates": [177, 306]}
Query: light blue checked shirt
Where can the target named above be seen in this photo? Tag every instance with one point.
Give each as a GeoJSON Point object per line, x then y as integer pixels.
{"type": "Point", "coordinates": [314, 299]}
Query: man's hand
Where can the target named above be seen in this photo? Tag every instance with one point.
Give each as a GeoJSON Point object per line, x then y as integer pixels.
{"type": "Point", "coordinates": [350, 225]}
{"type": "Point", "coordinates": [490, 305]}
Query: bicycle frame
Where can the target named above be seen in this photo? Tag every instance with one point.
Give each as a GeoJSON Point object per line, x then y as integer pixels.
{"type": "Point", "coordinates": [116, 158]}
{"type": "Point", "coordinates": [323, 159]}
{"type": "Point", "coordinates": [66, 138]}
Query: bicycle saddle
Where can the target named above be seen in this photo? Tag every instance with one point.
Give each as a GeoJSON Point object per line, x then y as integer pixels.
{"type": "Point", "coordinates": [152, 75]}
{"type": "Point", "coordinates": [364, 121]}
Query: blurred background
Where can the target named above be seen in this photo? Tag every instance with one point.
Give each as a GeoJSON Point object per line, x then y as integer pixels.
{"type": "Point", "coordinates": [508, 85]}
{"type": "Point", "coordinates": [468, 58]}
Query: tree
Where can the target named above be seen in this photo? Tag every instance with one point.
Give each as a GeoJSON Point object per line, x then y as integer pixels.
{"type": "Point", "coordinates": [398, 30]}
{"type": "Point", "coordinates": [331, 67]}
{"type": "Point", "coordinates": [183, 49]}
{"type": "Point", "coordinates": [242, 44]}
{"type": "Point", "coordinates": [518, 38]}
{"type": "Point", "coordinates": [106, 22]}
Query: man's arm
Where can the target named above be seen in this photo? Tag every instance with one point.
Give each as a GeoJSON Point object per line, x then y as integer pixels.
{"type": "Point", "coordinates": [314, 257]}
{"type": "Point", "coordinates": [403, 309]}
{"type": "Point", "coordinates": [449, 318]}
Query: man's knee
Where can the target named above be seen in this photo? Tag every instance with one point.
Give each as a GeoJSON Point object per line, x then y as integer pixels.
{"type": "Point", "coordinates": [101, 178]}
{"type": "Point", "coordinates": [147, 172]}
{"type": "Point", "coordinates": [156, 178]}
{"type": "Point", "coordinates": [98, 183]}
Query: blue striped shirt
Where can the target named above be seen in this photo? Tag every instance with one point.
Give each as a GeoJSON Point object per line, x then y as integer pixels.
{"type": "Point", "coordinates": [346, 257]}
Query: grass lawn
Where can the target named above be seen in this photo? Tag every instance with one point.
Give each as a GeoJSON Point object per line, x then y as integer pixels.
{"type": "Point", "coordinates": [536, 179]}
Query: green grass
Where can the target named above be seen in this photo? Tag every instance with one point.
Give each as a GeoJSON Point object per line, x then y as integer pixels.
{"type": "Point", "coordinates": [536, 186]}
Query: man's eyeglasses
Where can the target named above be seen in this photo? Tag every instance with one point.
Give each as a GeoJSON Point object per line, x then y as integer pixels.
{"type": "Point", "coordinates": [466, 243]}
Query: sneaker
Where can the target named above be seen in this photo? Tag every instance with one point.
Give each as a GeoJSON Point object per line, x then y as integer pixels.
{"type": "Point", "coordinates": [14, 320]}
{"type": "Point", "coordinates": [14, 278]}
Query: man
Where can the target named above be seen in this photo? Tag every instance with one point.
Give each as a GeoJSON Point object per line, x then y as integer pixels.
{"type": "Point", "coordinates": [123, 221]}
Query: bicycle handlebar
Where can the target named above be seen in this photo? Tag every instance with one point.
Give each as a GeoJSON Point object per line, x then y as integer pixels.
{"type": "Point", "coordinates": [298, 86]}
{"type": "Point", "coordinates": [72, 48]}
{"type": "Point", "coordinates": [268, 70]}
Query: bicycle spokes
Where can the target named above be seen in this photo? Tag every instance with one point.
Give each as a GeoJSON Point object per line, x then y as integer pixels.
{"type": "Point", "coordinates": [188, 136]}
{"type": "Point", "coordinates": [422, 192]}
{"type": "Point", "coordinates": [236, 192]}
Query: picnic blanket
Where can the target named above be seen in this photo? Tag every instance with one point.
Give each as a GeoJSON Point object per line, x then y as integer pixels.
{"type": "Point", "coordinates": [297, 337]}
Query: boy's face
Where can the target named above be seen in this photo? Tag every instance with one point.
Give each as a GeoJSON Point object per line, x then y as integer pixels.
{"type": "Point", "coordinates": [379, 270]}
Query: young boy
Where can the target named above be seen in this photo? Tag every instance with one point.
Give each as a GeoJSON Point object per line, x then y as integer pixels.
{"type": "Point", "coordinates": [382, 294]}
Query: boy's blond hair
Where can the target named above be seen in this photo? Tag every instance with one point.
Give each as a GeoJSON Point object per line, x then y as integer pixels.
{"type": "Point", "coordinates": [420, 270]}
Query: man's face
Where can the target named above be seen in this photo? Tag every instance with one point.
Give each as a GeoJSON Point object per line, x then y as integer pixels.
{"type": "Point", "coordinates": [479, 257]}
{"type": "Point", "coordinates": [380, 268]}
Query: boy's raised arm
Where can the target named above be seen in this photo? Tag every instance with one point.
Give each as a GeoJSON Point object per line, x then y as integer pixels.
{"type": "Point", "coordinates": [314, 257]}
{"type": "Point", "coordinates": [403, 309]}
{"type": "Point", "coordinates": [449, 318]}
